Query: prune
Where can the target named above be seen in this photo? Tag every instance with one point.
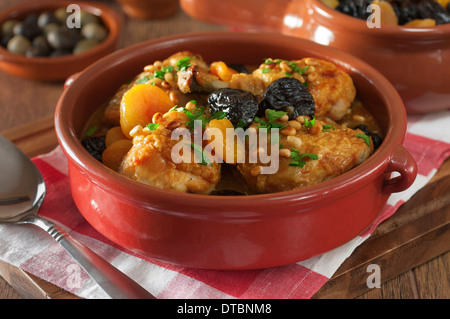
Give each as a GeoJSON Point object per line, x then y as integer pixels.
{"type": "Point", "coordinates": [354, 8]}
{"type": "Point", "coordinates": [95, 145]}
{"type": "Point", "coordinates": [239, 106]}
{"type": "Point", "coordinates": [289, 95]}
{"type": "Point", "coordinates": [239, 67]}
{"type": "Point", "coordinates": [376, 139]}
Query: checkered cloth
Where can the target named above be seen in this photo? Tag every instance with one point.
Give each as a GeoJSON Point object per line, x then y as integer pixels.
{"type": "Point", "coordinates": [31, 249]}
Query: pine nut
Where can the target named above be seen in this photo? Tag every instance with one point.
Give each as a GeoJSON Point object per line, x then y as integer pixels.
{"type": "Point", "coordinates": [168, 77]}
{"type": "Point", "coordinates": [284, 118]}
{"type": "Point", "coordinates": [359, 118]}
{"type": "Point", "coordinates": [173, 97]}
{"type": "Point", "coordinates": [190, 106]}
{"type": "Point", "coordinates": [285, 152]}
{"type": "Point", "coordinates": [311, 61]}
{"type": "Point", "coordinates": [312, 76]}
{"type": "Point", "coordinates": [255, 171]}
{"type": "Point", "coordinates": [294, 141]}
{"type": "Point", "coordinates": [157, 117]}
{"type": "Point", "coordinates": [295, 124]}
{"type": "Point", "coordinates": [285, 67]}
{"type": "Point", "coordinates": [288, 131]}
{"type": "Point", "coordinates": [136, 130]}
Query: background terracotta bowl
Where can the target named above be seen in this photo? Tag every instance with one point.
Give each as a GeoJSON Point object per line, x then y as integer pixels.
{"type": "Point", "coordinates": [415, 60]}
{"type": "Point", "coordinates": [58, 68]}
{"type": "Point", "coordinates": [230, 232]}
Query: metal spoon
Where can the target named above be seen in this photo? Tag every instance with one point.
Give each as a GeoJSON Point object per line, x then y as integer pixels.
{"type": "Point", "coordinates": [22, 191]}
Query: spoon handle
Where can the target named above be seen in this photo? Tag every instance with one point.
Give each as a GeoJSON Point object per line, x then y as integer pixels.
{"type": "Point", "coordinates": [115, 283]}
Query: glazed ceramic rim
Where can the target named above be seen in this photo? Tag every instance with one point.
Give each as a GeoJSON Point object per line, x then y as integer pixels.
{"type": "Point", "coordinates": [343, 185]}
{"type": "Point", "coordinates": [109, 17]}
{"type": "Point", "coordinates": [359, 25]}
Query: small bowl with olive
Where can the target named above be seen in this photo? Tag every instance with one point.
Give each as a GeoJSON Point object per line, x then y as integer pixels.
{"type": "Point", "coordinates": [51, 40]}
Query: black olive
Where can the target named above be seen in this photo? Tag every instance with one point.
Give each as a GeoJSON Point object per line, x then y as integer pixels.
{"type": "Point", "coordinates": [290, 95]}
{"type": "Point", "coordinates": [376, 139]}
{"type": "Point", "coordinates": [239, 68]}
{"type": "Point", "coordinates": [60, 39]}
{"type": "Point", "coordinates": [95, 145]}
{"type": "Point", "coordinates": [239, 106]}
{"type": "Point", "coordinates": [46, 18]}
{"type": "Point", "coordinates": [227, 192]}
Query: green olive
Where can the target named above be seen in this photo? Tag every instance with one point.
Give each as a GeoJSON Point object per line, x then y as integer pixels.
{"type": "Point", "coordinates": [18, 44]}
{"type": "Point", "coordinates": [94, 31]}
{"type": "Point", "coordinates": [87, 17]}
{"type": "Point", "coordinates": [84, 45]}
{"type": "Point", "coordinates": [60, 40]}
{"type": "Point", "coordinates": [8, 27]}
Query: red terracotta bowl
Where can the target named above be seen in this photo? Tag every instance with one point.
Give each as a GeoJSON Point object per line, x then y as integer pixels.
{"type": "Point", "coordinates": [415, 60]}
{"type": "Point", "coordinates": [56, 69]}
{"type": "Point", "coordinates": [231, 232]}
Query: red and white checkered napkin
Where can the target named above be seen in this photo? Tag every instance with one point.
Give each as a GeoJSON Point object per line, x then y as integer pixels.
{"type": "Point", "coordinates": [428, 141]}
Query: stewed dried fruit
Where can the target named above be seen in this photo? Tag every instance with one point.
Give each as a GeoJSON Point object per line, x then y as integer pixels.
{"type": "Point", "coordinates": [95, 145]}
{"type": "Point", "coordinates": [239, 106]}
{"type": "Point", "coordinates": [376, 139]}
{"type": "Point", "coordinates": [289, 95]}
{"type": "Point", "coordinates": [408, 12]}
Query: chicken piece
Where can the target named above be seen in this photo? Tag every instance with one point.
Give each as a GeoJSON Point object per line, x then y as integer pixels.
{"type": "Point", "coordinates": [150, 159]}
{"type": "Point", "coordinates": [332, 88]}
{"type": "Point", "coordinates": [332, 152]}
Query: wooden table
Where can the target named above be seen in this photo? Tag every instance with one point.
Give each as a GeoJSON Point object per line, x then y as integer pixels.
{"type": "Point", "coordinates": [411, 248]}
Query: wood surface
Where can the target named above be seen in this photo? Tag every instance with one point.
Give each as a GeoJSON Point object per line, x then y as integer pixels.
{"type": "Point", "coordinates": [411, 248]}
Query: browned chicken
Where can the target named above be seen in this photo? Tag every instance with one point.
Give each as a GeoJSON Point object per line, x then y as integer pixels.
{"type": "Point", "coordinates": [309, 156]}
{"type": "Point", "coordinates": [151, 159]}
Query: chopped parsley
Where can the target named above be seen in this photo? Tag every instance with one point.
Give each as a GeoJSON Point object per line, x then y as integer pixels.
{"type": "Point", "coordinates": [272, 116]}
{"type": "Point", "coordinates": [152, 126]}
{"type": "Point", "coordinates": [198, 114]}
{"type": "Point", "coordinates": [183, 64]}
{"type": "Point", "coordinates": [201, 154]}
{"type": "Point", "coordinates": [91, 131]}
{"type": "Point", "coordinates": [327, 128]}
{"type": "Point", "coordinates": [298, 159]}
{"type": "Point", "coordinates": [365, 138]}
{"type": "Point", "coordinates": [310, 123]}
{"type": "Point", "coordinates": [159, 74]}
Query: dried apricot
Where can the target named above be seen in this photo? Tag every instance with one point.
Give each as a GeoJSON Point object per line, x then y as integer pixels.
{"type": "Point", "coordinates": [113, 155]}
{"type": "Point", "coordinates": [229, 149]}
{"type": "Point", "coordinates": [140, 103]}
{"type": "Point", "coordinates": [114, 134]}
{"type": "Point", "coordinates": [222, 71]}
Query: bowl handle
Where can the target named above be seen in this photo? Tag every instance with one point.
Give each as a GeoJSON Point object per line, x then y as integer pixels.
{"type": "Point", "coordinates": [70, 79]}
{"type": "Point", "coordinates": [403, 163]}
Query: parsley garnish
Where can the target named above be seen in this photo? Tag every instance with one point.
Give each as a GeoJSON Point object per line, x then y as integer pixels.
{"type": "Point", "coordinates": [310, 123]}
{"type": "Point", "coordinates": [198, 114]}
{"type": "Point", "coordinates": [91, 131]}
{"type": "Point", "coordinates": [327, 128]}
{"type": "Point", "coordinates": [365, 138]}
{"type": "Point", "coordinates": [152, 126]}
{"type": "Point", "coordinates": [268, 125]}
{"type": "Point", "coordinates": [201, 154]}
{"type": "Point", "coordinates": [265, 70]}
{"type": "Point", "coordinates": [298, 158]}
{"type": "Point", "coordinates": [183, 63]}
{"type": "Point", "coordinates": [273, 115]}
